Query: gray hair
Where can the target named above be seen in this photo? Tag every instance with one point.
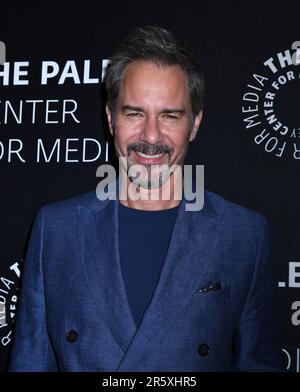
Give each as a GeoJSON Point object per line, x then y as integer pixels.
{"type": "Point", "coordinates": [158, 46]}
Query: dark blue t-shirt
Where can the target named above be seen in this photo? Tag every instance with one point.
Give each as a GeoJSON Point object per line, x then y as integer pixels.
{"type": "Point", "coordinates": [143, 242]}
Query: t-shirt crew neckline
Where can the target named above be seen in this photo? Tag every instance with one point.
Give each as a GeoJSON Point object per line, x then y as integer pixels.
{"type": "Point", "coordinates": [137, 212]}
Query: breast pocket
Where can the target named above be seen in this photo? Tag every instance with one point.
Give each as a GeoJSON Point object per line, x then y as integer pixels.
{"type": "Point", "coordinates": [210, 307]}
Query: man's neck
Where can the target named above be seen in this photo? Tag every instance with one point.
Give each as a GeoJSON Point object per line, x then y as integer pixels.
{"type": "Point", "coordinates": [161, 198]}
{"type": "Point", "coordinates": [150, 205]}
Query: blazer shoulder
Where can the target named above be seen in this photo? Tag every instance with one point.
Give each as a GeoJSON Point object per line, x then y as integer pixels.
{"type": "Point", "coordinates": [237, 213]}
{"type": "Point", "coordinates": [67, 207]}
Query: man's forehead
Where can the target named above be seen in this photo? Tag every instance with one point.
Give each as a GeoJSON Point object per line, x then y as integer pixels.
{"type": "Point", "coordinates": [147, 66]}
{"type": "Point", "coordinates": [149, 79]}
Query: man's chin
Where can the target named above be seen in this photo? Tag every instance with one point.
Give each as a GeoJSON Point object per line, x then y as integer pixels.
{"type": "Point", "coordinates": [150, 183]}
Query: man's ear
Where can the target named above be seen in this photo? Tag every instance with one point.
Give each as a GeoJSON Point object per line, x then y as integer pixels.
{"type": "Point", "coordinates": [109, 118]}
{"type": "Point", "coordinates": [196, 125]}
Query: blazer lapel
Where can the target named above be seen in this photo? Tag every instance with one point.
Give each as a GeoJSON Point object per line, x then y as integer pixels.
{"type": "Point", "coordinates": [98, 244]}
{"type": "Point", "coordinates": [192, 244]}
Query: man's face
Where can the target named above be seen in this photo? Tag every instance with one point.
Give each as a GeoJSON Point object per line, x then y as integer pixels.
{"type": "Point", "coordinates": [153, 118]}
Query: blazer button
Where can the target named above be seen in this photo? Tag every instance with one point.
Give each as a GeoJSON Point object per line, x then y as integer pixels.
{"type": "Point", "coordinates": [203, 349]}
{"type": "Point", "coordinates": [72, 336]}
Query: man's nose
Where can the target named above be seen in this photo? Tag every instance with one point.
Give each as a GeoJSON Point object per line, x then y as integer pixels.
{"type": "Point", "coordinates": [151, 132]}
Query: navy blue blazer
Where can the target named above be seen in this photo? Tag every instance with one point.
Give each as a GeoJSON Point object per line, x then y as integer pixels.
{"type": "Point", "coordinates": [214, 307]}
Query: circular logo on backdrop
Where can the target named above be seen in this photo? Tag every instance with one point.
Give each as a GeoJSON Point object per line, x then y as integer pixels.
{"type": "Point", "coordinates": [271, 103]}
{"type": "Point", "coordinates": [8, 302]}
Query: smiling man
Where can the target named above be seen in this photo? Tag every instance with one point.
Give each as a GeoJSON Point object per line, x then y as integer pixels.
{"type": "Point", "coordinates": [143, 284]}
{"type": "Point", "coordinates": [152, 123]}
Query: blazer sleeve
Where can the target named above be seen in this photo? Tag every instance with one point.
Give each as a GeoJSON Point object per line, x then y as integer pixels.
{"type": "Point", "coordinates": [31, 348]}
{"type": "Point", "coordinates": [257, 339]}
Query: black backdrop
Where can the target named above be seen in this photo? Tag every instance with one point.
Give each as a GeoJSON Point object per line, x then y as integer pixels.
{"type": "Point", "coordinates": [248, 156]}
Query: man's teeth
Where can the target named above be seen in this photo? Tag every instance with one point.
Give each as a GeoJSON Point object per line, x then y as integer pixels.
{"type": "Point", "coordinates": [149, 156]}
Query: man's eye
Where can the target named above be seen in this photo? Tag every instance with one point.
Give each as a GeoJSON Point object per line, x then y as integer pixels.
{"type": "Point", "coordinates": [170, 116]}
{"type": "Point", "coordinates": [134, 114]}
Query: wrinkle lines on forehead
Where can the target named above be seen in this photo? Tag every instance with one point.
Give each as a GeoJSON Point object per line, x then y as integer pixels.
{"type": "Point", "coordinates": [145, 83]}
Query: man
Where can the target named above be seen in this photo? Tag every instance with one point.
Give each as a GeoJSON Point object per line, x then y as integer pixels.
{"type": "Point", "coordinates": [143, 284]}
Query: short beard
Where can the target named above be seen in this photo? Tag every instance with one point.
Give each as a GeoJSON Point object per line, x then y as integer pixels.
{"type": "Point", "coordinates": [156, 175]}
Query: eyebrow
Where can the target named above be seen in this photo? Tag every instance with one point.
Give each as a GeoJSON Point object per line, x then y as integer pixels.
{"type": "Point", "coordinates": [138, 109]}
{"type": "Point", "coordinates": [179, 111]}
{"type": "Point", "coordinates": [133, 108]}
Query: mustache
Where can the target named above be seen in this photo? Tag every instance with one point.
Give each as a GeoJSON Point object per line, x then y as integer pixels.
{"type": "Point", "coordinates": [150, 149]}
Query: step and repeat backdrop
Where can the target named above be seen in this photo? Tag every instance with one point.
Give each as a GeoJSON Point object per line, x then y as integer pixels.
{"type": "Point", "coordinates": [53, 135]}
